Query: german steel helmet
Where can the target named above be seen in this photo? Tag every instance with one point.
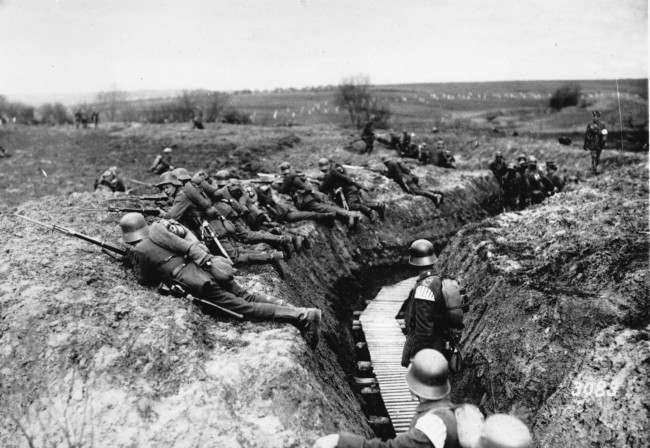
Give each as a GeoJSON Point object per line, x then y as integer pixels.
{"type": "Point", "coordinates": [428, 375]}
{"type": "Point", "coordinates": [323, 163]}
{"type": "Point", "coordinates": [421, 253]}
{"type": "Point", "coordinates": [181, 174]}
{"type": "Point", "coordinates": [168, 178]}
{"type": "Point", "coordinates": [285, 166]}
{"type": "Point", "coordinates": [532, 160]}
{"type": "Point", "coordinates": [504, 431]}
{"type": "Point", "coordinates": [134, 227]}
{"type": "Point", "coordinates": [167, 150]}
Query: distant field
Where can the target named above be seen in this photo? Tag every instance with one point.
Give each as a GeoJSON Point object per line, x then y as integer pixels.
{"type": "Point", "coordinates": [416, 104]}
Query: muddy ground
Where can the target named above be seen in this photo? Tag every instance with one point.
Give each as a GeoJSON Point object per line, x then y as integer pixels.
{"type": "Point", "coordinates": [89, 358]}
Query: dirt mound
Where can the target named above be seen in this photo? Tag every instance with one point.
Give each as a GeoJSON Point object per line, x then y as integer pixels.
{"type": "Point", "coordinates": [90, 358]}
{"type": "Point", "coordinates": [559, 310]}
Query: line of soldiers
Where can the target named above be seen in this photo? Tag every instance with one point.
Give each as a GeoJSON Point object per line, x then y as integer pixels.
{"type": "Point", "coordinates": [236, 223]}
{"type": "Point", "coordinates": [524, 183]}
{"type": "Point", "coordinates": [429, 352]}
{"type": "Point", "coordinates": [81, 119]}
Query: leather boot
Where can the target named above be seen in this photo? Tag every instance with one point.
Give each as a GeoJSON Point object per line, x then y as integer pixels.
{"type": "Point", "coordinates": [307, 320]}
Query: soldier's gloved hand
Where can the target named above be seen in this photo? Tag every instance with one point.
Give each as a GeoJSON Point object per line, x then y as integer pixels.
{"type": "Point", "coordinates": [199, 254]}
{"type": "Point", "coordinates": [329, 441]}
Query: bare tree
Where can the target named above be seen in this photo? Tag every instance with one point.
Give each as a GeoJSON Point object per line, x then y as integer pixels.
{"type": "Point", "coordinates": [353, 94]}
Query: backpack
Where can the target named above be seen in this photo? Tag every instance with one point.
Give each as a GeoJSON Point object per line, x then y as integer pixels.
{"type": "Point", "coordinates": [453, 301]}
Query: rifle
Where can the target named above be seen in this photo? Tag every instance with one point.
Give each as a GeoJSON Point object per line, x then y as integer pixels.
{"type": "Point", "coordinates": [177, 289]}
{"type": "Point", "coordinates": [70, 232]}
{"type": "Point", "coordinates": [138, 182]}
{"type": "Point", "coordinates": [111, 209]}
{"type": "Point", "coordinates": [155, 197]}
{"type": "Point", "coordinates": [207, 234]}
{"type": "Point", "coordinates": [266, 178]}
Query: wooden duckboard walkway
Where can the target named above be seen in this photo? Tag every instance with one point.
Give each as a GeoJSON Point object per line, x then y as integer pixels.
{"type": "Point", "coordinates": [385, 342]}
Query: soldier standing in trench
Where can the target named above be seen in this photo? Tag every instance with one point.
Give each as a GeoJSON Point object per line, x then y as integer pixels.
{"type": "Point", "coordinates": [438, 422]}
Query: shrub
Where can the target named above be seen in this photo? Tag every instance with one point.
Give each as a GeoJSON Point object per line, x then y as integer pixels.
{"type": "Point", "coordinates": [353, 95]}
{"type": "Point", "coordinates": [233, 116]}
{"type": "Point", "coordinates": [567, 95]}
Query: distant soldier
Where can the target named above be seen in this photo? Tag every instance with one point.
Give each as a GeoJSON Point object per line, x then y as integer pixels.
{"type": "Point", "coordinates": [306, 199]}
{"type": "Point", "coordinates": [77, 118]}
{"type": "Point", "coordinates": [368, 136]}
{"type": "Point", "coordinates": [512, 185]}
{"type": "Point", "coordinates": [595, 139]}
{"type": "Point", "coordinates": [168, 252]}
{"type": "Point", "coordinates": [110, 181]}
{"type": "Point", "coordinates": [446, 159]}
{"type": "Point", "coordinates": [498, 167]}
{"type": "Point", "coordinates": [162, 162]}
{"type": "Point", "coordinates": [94, 118]}
{"type": "Point", "coordinates": [558, 180]}
{"type": "Point", "coordinates": [409, 182]}
{"type": "Point", "coordinates": [197, 121]}
{"type": "Point", "coordinates": [3, 153]}
{"type": "Point", "coordinates": [538, 185]}
{"type": "Point", "coordinates": [405, 143]}
{"type": "Point", "coordinates": [346, 191]}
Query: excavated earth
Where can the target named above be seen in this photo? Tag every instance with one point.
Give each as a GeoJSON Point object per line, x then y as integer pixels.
{"type": "Point", "coordinates": [88, 358]}
{"type": "Point", "coordinates": [558, 331]}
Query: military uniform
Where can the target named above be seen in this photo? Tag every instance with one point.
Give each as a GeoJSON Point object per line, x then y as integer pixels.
{"type": "Point", "coordinates": [336, 179]}
{"type": "Point", "coordinates": [368, 137]}
{"type": "Point", "coordinates": [162, 163]}
{"type": "Point", "coordinates": [498, 168]}
{"type": "Point", "coordinates": [424, 318]}
{"type": "Point", "coordinates": [408, 181]}
{"type": "Point", "coordinates": [109, 181]}
{"type": "Point", "coordinates": [179, 260]}
{"type": "Point", "coordinates": [305, 199]}
{"type": "Point", "coordinates": [191, 205]}
{"type": "Point", "coordinates": [595, 138]}
{"type": "Point", "coordinates": [283, 212]}
{"type": "Point", "coordinates": [168, 252]}
{"type": "Point", "coordinates": [433, 425]}
{"type": "Point", "coordinates": [511, 181]}
{"type": "Point", "coordinates": [538, 186]}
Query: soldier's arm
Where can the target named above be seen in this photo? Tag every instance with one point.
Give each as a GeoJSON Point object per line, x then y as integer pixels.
{"type": "Point", "coordinates": [199, 200]}
{"type": "Point", "coordinates": [188, 246]}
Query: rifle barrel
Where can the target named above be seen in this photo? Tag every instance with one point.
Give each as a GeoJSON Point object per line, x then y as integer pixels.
{"type": "Point", "coordinates": [76, 234]}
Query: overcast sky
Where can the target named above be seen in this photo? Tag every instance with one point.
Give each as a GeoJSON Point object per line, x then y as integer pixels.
{"type": "Point", "coordinates": [57, 46]}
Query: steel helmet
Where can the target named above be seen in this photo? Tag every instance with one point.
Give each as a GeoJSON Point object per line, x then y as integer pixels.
{"type": "Point", "coordinates": [323, 163]}
{"type": "Point", "coordinates": [167, 178]}
{"type": "Point", "coordinates": [428, 375]}
{"type": "Point", "coordinates": [521, 157]}
{"type": "Point", "coordinates": [504, 431]}
{"type": "Point", "coordinates": [181, 174]}
{"type": "Point", "coordinates": [199, 176]}
{"type": "Point", "coordinates": [421, 253]}
{"type": "Point", "coordinates": [532, 160]}
{"type": "Point", "coordinates": [498, 155]}
{"type": "Point", "coordinates": [222, 174]}
{"type": "Point", "coordinates": [167, 150]}
{"type": "Point", "coordinates": [284, 166]}
{"type": "Point", "coordinates": [134, 227]}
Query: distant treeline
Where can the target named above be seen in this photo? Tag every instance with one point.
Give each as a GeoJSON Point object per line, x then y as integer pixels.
{"type": "Point", "coordinates": [206, 105]}
{"type": "Point", "coordinates": [19, 113]}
